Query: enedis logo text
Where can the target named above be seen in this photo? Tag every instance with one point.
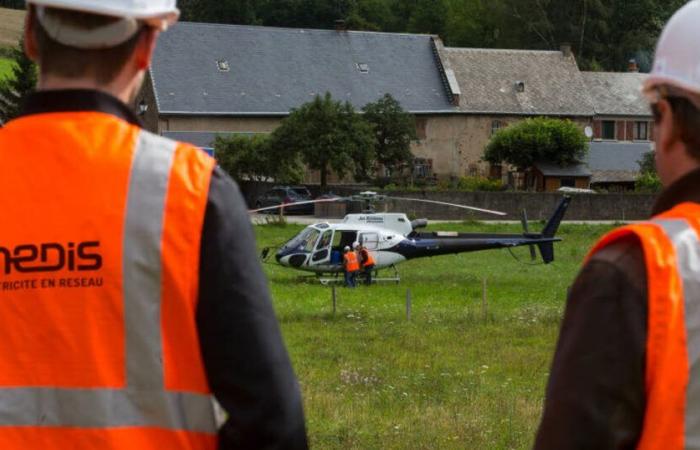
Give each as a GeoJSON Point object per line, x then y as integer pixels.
{"type": "Point", "coordinates": [50, 257]}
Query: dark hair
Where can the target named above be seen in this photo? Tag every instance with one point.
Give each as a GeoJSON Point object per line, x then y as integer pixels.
{"type": "Point", "coordinates": [69, 62]}
{"type": "Point", "coordinates": [686, 119]}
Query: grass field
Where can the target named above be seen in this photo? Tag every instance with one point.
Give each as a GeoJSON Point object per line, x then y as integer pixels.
{"type": "Point", "coordinates": [448, 378]}
{"type": "Point", "coordinates": [5, 68]}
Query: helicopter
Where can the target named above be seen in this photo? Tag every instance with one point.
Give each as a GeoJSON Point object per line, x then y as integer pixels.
{"type": "Point", "coordinates": [393, 239]}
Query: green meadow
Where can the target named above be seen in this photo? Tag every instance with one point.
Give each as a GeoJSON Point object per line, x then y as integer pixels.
{"type": "Point", "coordinates": [462, 373]}
{"type": "Point", "coordinates": [6, 66]}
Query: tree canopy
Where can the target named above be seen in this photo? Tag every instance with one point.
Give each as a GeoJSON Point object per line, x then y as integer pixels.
{"type": "Point", "coordinates": [329, 135]}
{"type": "Point", "coordinates": [253, 158]}
{"type": "Point", "coordinates": [394, 129]}
{"type": "Point", "coordinates": [538, 140]}
{"type": "Point", "coordinates": [604, 34]}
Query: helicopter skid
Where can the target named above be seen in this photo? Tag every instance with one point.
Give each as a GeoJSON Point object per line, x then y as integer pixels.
{"type": "Point", "coordinates": [375, 279]}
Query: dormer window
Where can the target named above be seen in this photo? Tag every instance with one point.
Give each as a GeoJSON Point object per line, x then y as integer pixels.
{"type": "Point", "coordinates": [519, 87]}
{"type": "Point", "coordinates": [223, 65]}
{"type": "Point", "coordinates": [363, 67]}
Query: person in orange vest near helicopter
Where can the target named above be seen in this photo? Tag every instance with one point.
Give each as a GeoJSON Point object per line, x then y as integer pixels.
{"type": "Point", "coordinates": [134, 293]}
{"type": "Point", "coordinates": [367, 262]}
{"type": "Point", "coordinates": [626, 373]}
{"type": "Point", "coordinates": [352, 267]}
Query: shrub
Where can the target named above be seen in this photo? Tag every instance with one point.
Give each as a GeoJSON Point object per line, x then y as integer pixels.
{"type": "Point", "coordinates": [648, 183]}
{"type": "Point", "coordinates": [534, 140]}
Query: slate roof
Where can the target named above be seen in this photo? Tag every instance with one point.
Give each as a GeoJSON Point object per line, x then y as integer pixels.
{"type": "Point", "coordinates": [554, 170]}
{"type": "Point", "coordinates": [201, 139]}
{"type": "Point", "coordinates": [617, 94]}
{"type": "Point", "coordinates": [553, 85]}
{"type": "Point", "coordinates": [615, 162]}
{"type": "Point", "coordinates": [273, 70]}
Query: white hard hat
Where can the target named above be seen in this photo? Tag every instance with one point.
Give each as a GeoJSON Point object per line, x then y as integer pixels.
{"type": "Point", "coordinates": [347, 249]}
{"type": "Point", "coordinates": [157, 13]}
{"type": "Point", "coordinates": [355, 245]}
{"type": "Point", "coordinates": [677, 61]}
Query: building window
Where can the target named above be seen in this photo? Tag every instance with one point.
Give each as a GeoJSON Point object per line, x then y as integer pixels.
{"type": "Point", "coordinates": [422, 168]}
{"type": "Point", "coordinates": [363, 67]}
{"type": "Point", "coordinates": [568, 182]}
{"type": "Point", "coordinates": [609, 130]}
{"type": "Point", "coordinates": [495, 126]}
{"type": "Point", "coordinates": [641, 131]}
{"type": "Point", "coordinates": [223, 65]}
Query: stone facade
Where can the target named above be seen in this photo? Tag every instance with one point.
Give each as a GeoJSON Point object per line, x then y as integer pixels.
{"type": "Point", "coordinates": [451, 144]}
{"type": "Point", "coordinates": [455, 144]}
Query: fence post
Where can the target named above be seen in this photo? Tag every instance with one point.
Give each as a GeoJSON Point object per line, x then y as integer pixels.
{"type": "Point", "coordinates": [335, 301]}
{"type": "Point", "coordinates": [484, 301]}
{"type": "Point", "coordinates": [408, 304]}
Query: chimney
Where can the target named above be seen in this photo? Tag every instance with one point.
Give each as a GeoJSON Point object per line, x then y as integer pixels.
{"type": "Point", "coordinates": [566, 49]}
{"type": "Point", "coordinates": [340, 26]}
{"type": "Point", "coordinates": [633, 66]}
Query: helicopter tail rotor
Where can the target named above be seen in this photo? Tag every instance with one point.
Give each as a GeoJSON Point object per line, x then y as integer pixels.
{"type": "Point", "coordinates": [547, 248]}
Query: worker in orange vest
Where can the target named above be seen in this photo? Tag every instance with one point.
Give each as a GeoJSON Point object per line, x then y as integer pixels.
{"type": "Point", "coordinates": [130, 292]}
{"type": "Point", "coordinates": [625, 373]}
{"type": "Point", "coordinates": [366, 261]}
{"type": "Point", "coordinates": [351, 266]}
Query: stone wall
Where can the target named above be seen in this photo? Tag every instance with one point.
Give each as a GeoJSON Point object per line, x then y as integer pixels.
{"type": "Point", "coordinates": [539, 206]}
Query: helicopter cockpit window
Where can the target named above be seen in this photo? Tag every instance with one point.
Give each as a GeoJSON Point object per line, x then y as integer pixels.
{"type": "Point", "coordinates": [325, 240]}
{"type": "Point", "coordinates": [305, 241]}
{"type": "Point", "coordinates": [323, 247]}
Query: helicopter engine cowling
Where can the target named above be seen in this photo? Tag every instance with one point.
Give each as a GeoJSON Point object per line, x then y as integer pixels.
{"type": "Point", "coordinates": [419, 223]}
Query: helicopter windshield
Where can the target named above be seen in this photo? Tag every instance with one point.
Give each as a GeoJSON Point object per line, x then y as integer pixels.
{"type": "Point", "coordinates": [305, 241]}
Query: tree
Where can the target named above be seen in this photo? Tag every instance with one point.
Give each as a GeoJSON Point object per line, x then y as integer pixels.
{"type": "Point", "coordinates": [329, 135]}
{"type": "Point", "coordinates": [538, 140]}
{"type": "Point", "coordinates": [648, 179]}
{"type": "Point", "coordinates": [14, 4]}
{"type": "Point", "coordinates": [394, 129]}
{"type": "Point", "coordinates": [14, 89]}
{"type": "Point", "coordinates": [253, 158]}
{"type": "Point", "coordinates": [240, 12]}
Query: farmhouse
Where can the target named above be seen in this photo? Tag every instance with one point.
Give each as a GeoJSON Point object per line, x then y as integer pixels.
{"type": "Point", "coordinates": [622, 112]}
{"type": "Point", "coordinates": [500, 87]}
{"type": "Point", "coordinates": [216, 79]}
{"type": "Point", "coordinates": [209, 80]}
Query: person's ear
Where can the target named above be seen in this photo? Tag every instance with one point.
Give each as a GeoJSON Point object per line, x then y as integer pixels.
{"type": "Point", "coordinates": [667, 133]}
{"type": "Point", "coordinates": [143, 53]}
{"type": "Point", "coordinates": [31, 49]}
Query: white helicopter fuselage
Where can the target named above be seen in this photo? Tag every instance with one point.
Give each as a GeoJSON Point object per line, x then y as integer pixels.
{"type": "Point", "coordinates": [319, 248]}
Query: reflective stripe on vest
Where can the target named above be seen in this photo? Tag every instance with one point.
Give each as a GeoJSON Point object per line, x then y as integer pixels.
{"type": "Point", "coordinates": [672, 258]}
{"type": "Point", "coordinates": [144, 401]}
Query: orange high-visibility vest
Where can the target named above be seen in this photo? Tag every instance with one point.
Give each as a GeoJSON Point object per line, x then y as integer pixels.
{"type": "Point", "coordinates": [671, 247]}
{"type": "Point", "coordinates": [99, 259]}
{"type": "Point", "coordinates": [351, 262]}
{"type": "Point", "coordinates": [368, 258]}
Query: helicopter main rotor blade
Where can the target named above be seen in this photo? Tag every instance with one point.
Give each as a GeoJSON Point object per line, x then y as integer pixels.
{"type": "Point", "coordinates": [454, 205]}
{"type": "Point", "coordinates": [286, 205]}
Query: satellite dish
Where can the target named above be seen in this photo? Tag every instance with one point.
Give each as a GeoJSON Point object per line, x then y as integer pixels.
{"type": "Point", "coordinates": [589, 132]}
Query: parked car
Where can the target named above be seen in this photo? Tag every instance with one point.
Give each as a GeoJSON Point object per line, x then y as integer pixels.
{"type": "Point", "coordinates": [280, 195]}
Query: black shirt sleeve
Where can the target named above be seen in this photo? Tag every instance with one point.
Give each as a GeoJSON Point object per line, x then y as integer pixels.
{"type": "Point", "coordinates": [596, 392]}
{"type": "Point", "coordinates": [246, 362]}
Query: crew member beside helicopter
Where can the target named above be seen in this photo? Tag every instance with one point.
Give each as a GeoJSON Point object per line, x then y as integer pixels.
{"type": "Point", "coordinates": [352, 267]}
{"type": "Point", "coordinates": [366, 262]}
